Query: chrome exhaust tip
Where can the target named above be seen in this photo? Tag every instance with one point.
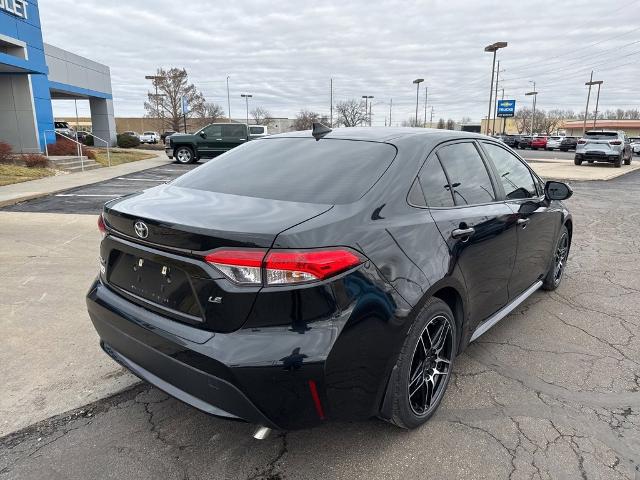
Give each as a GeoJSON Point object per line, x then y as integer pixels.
{"type": "Point", "coordinates": [261, 433]}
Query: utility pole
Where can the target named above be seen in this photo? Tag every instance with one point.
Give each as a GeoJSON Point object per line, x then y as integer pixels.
{"type": "Point", "coordinates": [246, 99]}
{"type": "Point", "coordinates": [228, 99]}
{"type": "Point", "coordinates": [504, 120]}
{"type": "Point", "coordinates": [417, 81]}
{"type": "Point", "coordinates": [426, 97]}
{"type": "Point", "coordinates": [494, 47]}
{"type": "Point", "coordinates": [586, 110]}
{"type": "Point", "coordinates": [365, 108]}
{"type": "Point", "coordinates": [431, 119]}
{"type": "Point", "coordinates": [595, 82]}
{"type": "Point", "coordinates": [331, 101]}
{"type": "Point", "coordinates": [390, 106]}
{"type": "Point", "coordinates": [370, 105]}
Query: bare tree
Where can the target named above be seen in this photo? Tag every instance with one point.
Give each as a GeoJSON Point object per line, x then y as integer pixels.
{"type": "Point", "coordinates": [550, 122]}
{"type": "Point", "coordinates": [173, 85]}
{"type": "Point", "coordinates": [441, 124]}
{"type": "Point", "coordinates": [632, 114]}
{"type": "Point", "coordinates": [351, 113]}
{"type": "Point", "coordinates": [523, 120]}
{"type": "Point", "coordinates": [304, 120]}
{"type": "Point", "coordinates": [210, 113]}
{"type": "Point", "coordinates": [465, 120]}
{"type": "Point", "coordinates": [451, 125]}
{"type": "Point", "coordinates": [261, 116]}
{"type": "Point", "coordinates": [411, 122]}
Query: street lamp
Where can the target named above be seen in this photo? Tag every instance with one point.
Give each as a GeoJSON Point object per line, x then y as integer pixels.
{"type": "Point", "coordinates": [494, 47]}
{"type": "Point", "coordinates": [589, 83]}
{"type": "Point", "coordinates": [246, 98]}
{"type": "Point", "coordinates": [535, 95]}
{"type": "Point", "coordinates": [418, 81]}
{"type": "Point", "coordinates": [367, 112]}
{"type": "Point", "coordinates": [228, 99]}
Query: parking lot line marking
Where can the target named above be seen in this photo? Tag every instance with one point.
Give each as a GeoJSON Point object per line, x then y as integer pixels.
{"type": "Point", "coordinates": [143, 179]}
{"type": "Point", "coordinates": [86, 195]}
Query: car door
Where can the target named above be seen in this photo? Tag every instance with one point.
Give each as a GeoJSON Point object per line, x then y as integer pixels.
{"type": "Point", "coordinates": [211, 142]}
{"type": "Point", "coordinates": [478, 228]}
{"type": "Point", "coordinates": [536, 224]}
{"type": "Point", "coordinates": [234, 135]}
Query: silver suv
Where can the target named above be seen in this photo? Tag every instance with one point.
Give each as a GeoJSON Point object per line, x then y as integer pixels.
{"type": "Point", "coordinates": [604, 146]}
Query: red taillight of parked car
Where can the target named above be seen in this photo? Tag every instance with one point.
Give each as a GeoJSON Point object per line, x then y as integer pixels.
{"type": "Point", "coordinates": [101, 226]}
{"type": "Point", "coordinates": [615, 142]}
{"type": "Point", "coordinates": [581, 142]}
{"type": "Point", "coordinates": [282, 267]}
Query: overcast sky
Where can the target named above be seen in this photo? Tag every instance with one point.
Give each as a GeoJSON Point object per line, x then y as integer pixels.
{"type": "Point", "coordinates": [285, 52]}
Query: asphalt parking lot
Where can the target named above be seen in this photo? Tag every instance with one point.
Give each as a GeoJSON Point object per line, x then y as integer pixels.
{"type": "Point", "coordinates": [553, 391]}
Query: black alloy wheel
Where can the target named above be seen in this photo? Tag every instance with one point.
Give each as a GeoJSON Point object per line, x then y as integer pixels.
{"type": "Point", "coordinates": [424, 365]}
{"type": "Point", "coordinates": [560, 256]}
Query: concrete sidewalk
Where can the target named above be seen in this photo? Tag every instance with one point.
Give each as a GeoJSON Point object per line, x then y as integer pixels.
{"type": "Point", "coordinates": [20, 192]}
{"type": "Point", "coordinates": [566, 170]}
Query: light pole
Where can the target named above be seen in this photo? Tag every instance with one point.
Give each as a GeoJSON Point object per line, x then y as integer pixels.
{"type": "Point", "coordinates": [367, 111]}
{"type": "Point", "coordinates": [228, 99]}
{"type": "Point", "coordinates": [155, 79]}
{"type": "Point", "coordinates": [370, 97]}
{"type": "Point", "coordinates": [533, 114]}
{"type": "Point", "coordinates": [495, 110]}
{"type": "Point", "coordinates": [594, 82]}
{"type": "Point", "coordinates": [246, 97]}
{"type": "Point", "coordinates": [331, 103]}
{"type": "Point", "coordinates": [390, 107]}
{"type": "Point", "coordinates": [494, 47]}
{"type": "Point", "coordinates": [417, 81]}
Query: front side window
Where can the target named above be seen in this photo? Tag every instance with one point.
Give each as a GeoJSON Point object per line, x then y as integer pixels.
{"type": "Point", "coordinates": [435, 186]}
{"type": "Point", "coordinates": [213, 131]}
{"type": "Point", "coordinates": [515, 177]}
{"type": "Point", "coordinates": [468, 176]}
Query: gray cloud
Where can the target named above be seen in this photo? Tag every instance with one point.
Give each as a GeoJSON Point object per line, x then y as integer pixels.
{"type": "Point", "coordinates": [284, 52]}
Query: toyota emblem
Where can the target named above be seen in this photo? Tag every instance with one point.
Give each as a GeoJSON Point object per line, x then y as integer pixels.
{"type": "Point", "coordinates": [141, 229]}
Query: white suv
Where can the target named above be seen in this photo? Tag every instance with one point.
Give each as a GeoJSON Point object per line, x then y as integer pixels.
{"type": "Point", "coordinates": [635, 145]}
{"type": "Point", "coordinates": [553, 143]}
{"type": "Point", "coordinates": [604, 146]}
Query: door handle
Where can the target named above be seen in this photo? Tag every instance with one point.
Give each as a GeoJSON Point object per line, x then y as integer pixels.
{"type": "Point", "coordinates": [463, 232]}
{"type": "Point", "coordinates": [523, 222]}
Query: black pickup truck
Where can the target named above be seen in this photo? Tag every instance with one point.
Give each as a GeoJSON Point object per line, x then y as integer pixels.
{"type": "Point", "coordinates": [207, 142]}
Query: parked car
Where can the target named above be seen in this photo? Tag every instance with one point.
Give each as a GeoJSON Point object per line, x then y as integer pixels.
{"type": "Point", "coordinates": [149, 137]}
{"type": "Point", "coordinates": [63, 128]}
{"type": "Point", "coordinates": [511, 140]}
{"type": "Point", "coordinates": [132, 134]}
{"type": "Point", "coordinates": [634, 143]}
{"type": "Point", "coordinates": [251, 289]}
{"type": "Point", "coordinates": [608, 146]}
{"type": "Point", "coordinates": [568, 143]}
{"type": "Point", "coordinates": [524, 142]}
{"type": "Point", "coordinates": [166, 135]}
{"type": "Point", "coordinates": [554, 142]}
{"type": "Point", "coordinates": [538, 142]}
{"type": "Point", "coordinates": [257, 131]}
{"type": "Point", "coordinates": [208, 142]}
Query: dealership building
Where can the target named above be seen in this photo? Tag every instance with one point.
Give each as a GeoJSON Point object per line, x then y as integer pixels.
{"type": "Point", "coordinates": [33, 74]}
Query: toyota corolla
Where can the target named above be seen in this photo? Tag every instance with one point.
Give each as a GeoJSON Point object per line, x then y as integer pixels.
{"type": "Point", "coordinates": [325, 275]}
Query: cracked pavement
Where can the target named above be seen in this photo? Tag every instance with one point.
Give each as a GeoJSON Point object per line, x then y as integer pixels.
{"type": "Point", "coordinates": [553, 391]}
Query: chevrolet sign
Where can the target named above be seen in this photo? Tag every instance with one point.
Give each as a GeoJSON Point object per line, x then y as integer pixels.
{"type": "Point", "coordinates": [506, 108]}
{"type": "Point", "coordinates": [15, 7]}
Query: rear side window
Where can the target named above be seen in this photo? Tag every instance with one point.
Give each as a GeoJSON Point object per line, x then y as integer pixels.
{"type": "Point", "coordinates": [328, 171]}
{"type": "Point", "coordinates": [601, 135]}
{"type": "Point", "coordinates": [256, 130]}
{"type": "Point", "coordinates": [515, 177]}
{"type": "Point", "coordinates": [435, 186]}
{"type": "Point", "coordinates": [236, 131]}
{"type": "Point", "coordinates": [467, 174]}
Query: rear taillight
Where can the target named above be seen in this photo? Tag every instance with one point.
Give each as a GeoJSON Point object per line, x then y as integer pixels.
{"type": "Point", "coordinates": [581, 142]}
{"type": "Point", "coordinates": [283, 267]}
{"type": "Point", "coordinates": [101, 226]}
{"type": "Point", "coordinates": [615, 142]}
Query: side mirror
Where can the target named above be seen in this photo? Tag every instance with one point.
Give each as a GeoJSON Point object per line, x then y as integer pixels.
{"type": "Point", "coordinates": [557, 190]}
{"type": "Point", "coordinates": [203, 135]}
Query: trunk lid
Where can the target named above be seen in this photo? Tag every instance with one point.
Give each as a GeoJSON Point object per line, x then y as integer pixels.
{"type": "Point", "coordinates": [165, 272]}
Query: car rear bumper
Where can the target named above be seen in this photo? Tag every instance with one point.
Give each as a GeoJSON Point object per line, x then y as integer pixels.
{"type": "Point", "coordinates": [168, 151]}
{"type": "Point", "coordinates": [599, 156]}
{"type": "Point", "coordinates": [253, 375]}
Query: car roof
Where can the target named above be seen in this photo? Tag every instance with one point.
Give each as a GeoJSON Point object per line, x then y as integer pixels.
{"type": "Point", "coordinates": [384, 134]}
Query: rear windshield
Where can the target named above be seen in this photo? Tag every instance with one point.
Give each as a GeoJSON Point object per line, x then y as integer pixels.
{"type": "Point", "coordinates": [256, 130]}
{"type": "Point", "coordinates": [328, 171]}
{"type": "Point", "coordinates": [601, 135]}
{"type": "Point", "coordinates": [148, 133]}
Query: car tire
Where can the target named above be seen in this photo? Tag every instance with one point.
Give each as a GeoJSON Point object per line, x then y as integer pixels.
{"type": "Point", "coordinates": [558, 261]}
{"type": "Point", "coordinates": [577, 161]}
{"type": "Point", "coordinates": [618, 162]}
{"type": "Point", "coordinates": [563, 149]}
{"type": "Point", "coordinates": [184, 155]}
{"type": "Point", "coordinates": [424, 371]}
{"type": "Point", "coordinates": [627, 161]}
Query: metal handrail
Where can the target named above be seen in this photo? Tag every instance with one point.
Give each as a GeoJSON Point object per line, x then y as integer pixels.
{"type": "Point", "coordinates": [79, 146]}
{"type": "Point", "coordinates": [102, 140]}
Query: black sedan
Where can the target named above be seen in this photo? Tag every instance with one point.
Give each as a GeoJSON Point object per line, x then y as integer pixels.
{"type": "Point", "coordinates": [325, 275]}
